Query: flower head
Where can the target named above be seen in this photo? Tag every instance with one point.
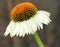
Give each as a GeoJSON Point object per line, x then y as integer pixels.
{"type": "Point", "coordinates": [26, 19]}
{"type": "Point", "coordinates": [23, 11]}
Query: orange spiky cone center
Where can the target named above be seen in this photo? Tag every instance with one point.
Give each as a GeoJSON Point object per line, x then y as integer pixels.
{"type": "Point", "coordinates": [23, 11]}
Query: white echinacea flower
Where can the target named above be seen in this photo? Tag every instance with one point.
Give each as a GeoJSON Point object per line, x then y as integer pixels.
{"type": "Point", "coordinates": [26, 19]}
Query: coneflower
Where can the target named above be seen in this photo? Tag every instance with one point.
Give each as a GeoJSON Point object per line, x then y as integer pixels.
{"type": "Point", "coordinates": [26, 19]}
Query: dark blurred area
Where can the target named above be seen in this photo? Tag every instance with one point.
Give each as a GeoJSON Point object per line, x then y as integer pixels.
{"type": "Point", "coordinates": [50, 35]}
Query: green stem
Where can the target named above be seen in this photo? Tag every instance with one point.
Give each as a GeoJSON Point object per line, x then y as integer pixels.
{"type": "Point", "coordinates": [37, 39]}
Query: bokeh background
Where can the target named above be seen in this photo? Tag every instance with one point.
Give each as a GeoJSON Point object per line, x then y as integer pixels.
{"type": "Point", "coordinates": [50, 35]}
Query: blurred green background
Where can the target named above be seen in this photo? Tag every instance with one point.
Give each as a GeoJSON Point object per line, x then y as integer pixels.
{"type": "Point", "coordinates": [50, 35]}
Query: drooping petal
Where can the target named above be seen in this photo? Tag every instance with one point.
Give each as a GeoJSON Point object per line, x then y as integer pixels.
{"type": "Point", "coordinates": [18, 29]}
{"type": "Point", "coordinates": [29, 27]}
{"type": "Point", "coordinates": [45, 12]}
{"type": "Point", "coordinates": [25, 28]}
{"type": "Point", "coordinates": [8, 29]}
{"type": "Point", "coordinates": [37, 23]}
{"type": "Point", "coordinates": [13, 27]}
{"type": "Point", "coordinates": [43, 17]}
{"type": "Point", "coordinates": [33, 25]}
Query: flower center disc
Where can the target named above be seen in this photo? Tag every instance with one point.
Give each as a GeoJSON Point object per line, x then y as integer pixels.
{"type": "Point", "coordinates": [23, 11]}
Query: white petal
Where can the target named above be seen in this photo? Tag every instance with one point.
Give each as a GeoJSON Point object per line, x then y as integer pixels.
{"type": "Point", "coordinates": [37, 23]}
{"type": "Point", "coordinates": [20, 30]}
{"type": "Point", "coordinates": [43, 17]}
{"type": "Point", "coordinates": [25, 27]}
{"type": "Point", "coordinates": [33, 25]}
{"type": "Point", "coordinates": [13, 29]}
{"type": "Point", "coordinates": [17, 29]}
{"type": "Point", "coordinates": [29, 27]}
{"type": "Point", "coordinates": [8, 29]}
{"type": "Point", "coordinates": [45, 12]}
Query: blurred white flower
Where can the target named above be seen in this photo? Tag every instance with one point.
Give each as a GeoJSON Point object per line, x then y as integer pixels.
{"type": "Point", "coordinates": [29, 26]}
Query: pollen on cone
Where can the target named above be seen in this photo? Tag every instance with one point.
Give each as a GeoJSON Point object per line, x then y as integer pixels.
{"type": "Point", "coordinates": [22, 11]}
